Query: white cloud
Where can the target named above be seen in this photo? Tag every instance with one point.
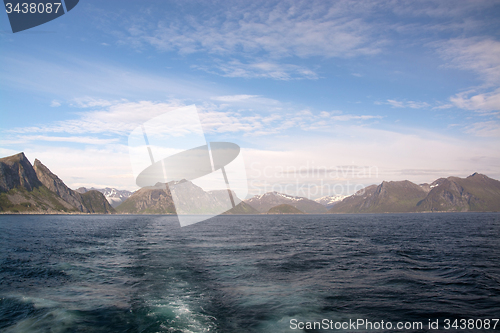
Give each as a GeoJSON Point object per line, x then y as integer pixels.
{"type": "Point", "coordinates": [118, 119]}
{"type": "Point", "coordinates": [480, 102]}
{"type": "Point", "coordinates": [88, 102]}
{"type": "Point", "coordinates": [348, 117]}
{"type": "Point", "coordinates": [439, 9]}
{"type": "Point", "coordinates": [301, 29]}
{"type": "Point", "coordinates": [255, 35]}
{"type": "Point", "coordinates": [481, 56]}
{"type": "Point", "coordinates": [485, 129]}
{"type": "Point", "coordinates": [233, 98]}
{"type": "Point", "coordinates": [405, 104]}
{"type": "Point", "coordinates": [395, 103]}
{"type": "Point", "coordinates": [236, 113]}
{"type": "Point", "coordinates": [443, 106]}
{"type": "Point", "coordinates": [263, 69]}
{"type": "Point", "coordinates": [71, 139]}
{"type": "Point", "coordinates": [55, 103]}
{"type": "Point", "coordinates": [417, 105]}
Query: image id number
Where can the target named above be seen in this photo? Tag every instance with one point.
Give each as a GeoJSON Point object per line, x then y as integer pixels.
{"type": "Point", "coordinates": [33, 8]}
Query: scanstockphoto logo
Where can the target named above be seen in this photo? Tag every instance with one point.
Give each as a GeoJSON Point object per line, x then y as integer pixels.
{"type": "Point", "coordinates": [170, 152]}
{"type": "Point", "coordinates": [28, 14]}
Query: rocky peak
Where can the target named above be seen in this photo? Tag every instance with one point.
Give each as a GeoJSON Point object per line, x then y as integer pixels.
{"type": "Point", "coordinates": [478, 176]}
{"type": "Point", "coordinates": [16, 170]}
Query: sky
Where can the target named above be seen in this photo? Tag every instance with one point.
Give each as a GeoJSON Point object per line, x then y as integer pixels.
{"type": "Point", "coordinates": [323, 97]}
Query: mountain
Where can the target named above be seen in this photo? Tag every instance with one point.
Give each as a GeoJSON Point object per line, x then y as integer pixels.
{"type": "Point", "coordinates": [115, 197]}
{"type": "Point", "coordinates": [17, 171]}
{"type": "Point", "coordinates": [149, 200]}
{"type": "Point", "coordinates": [158, 199]}
{"type": "Point", "coordinates": [264, 202]}
{"type": "Point", "coordinates": [21, 190]}
{"type": "Point", "coordinates": [474, 193]}
{"type": "Point", "coordinates": [242, 209]}
{"type": "Point", "coordinates": [27, 188]}
{"type": "Point", "coordinates": [394, 197]}
{"type": "Point", "coordinates": [284, 209]}
{"type": "Point", "coordinates": [330, 201]}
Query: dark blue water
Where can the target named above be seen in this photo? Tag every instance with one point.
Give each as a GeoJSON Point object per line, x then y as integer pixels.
{"type": "Point", "coordinates": [246, 273]}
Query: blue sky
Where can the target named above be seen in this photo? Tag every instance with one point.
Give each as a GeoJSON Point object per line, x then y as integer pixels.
{"type": "Point", "coordinates": [368, 90]}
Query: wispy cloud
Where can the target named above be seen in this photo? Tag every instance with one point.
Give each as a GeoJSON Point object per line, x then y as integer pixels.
{"type": "Point", "coordinates": [233, 98]}
{"type": "Point", "coordinates": [276, 29]}
{"type": "Point", "coordinates": [121, 117]}
{"type": "Point", "coordinates": [117, 119]}
{"type": "Point", "coordinates": [405, 104]}
{"type": "Point", "coordinates": [254, 38]}
{"type": "Point", "coordinates": [443, 106]}
{"type": "Point", "coordinates": [485, 129]}
{"type": "Point", "coordinates": [263, 69]}
{"type": "Point", "coordinates": [474, 54]}
{"type": "Point", "coordinates": [482, 57]}
{"type": "Point", "coordinates": [89, 102]}
{"type": "Point", "coordinates": [55, 103]}
{"type": "Point", "coordinates": [478, 102]}
{"type": "Point", "coordinates": [348, 117]}
{"type": "Point", "coordinates": [69, 139]}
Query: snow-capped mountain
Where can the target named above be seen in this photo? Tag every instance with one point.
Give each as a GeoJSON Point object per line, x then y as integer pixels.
{"type": "Point", "coordinates": [330, 200]}
{"type": "Point", "coordinates": [115, 197]}
{"type": "Point", "coordinates": [269, 200]}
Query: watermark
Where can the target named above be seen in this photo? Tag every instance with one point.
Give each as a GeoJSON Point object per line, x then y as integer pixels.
{"type": "Point", "coordinates": [311, 170]}
{"type": "Point", "coordinates": [309, 189]}
{"type": "Point", "coordinates": [27, 14]}
{"type": "Point", "coordinates": [204, 179]}
{"type": "Point", "coordinates": [367, 325]}
{"type": "Point", "coordinates": [311, 180]}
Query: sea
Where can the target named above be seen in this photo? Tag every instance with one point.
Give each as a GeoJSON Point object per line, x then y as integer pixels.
{"type": "Point", "coordinates": [260, 273]}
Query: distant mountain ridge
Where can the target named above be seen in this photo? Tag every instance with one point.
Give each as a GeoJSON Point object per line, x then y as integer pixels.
{"type": "Point", "coordinates": [26, 188]}
{"type": "Point", "coordinates": [284, 209]}
{"type": "Point", "coordinates": [476, 193]}
{"type": "Point", "coordinates": [114, 196]}
{"type": "Point", "coordinates": [158, 200]}
{"type": "Point", "coordinates": [264, 202]}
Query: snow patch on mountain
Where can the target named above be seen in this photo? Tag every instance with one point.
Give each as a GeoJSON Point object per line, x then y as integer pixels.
{"type": "Point", "coordinates": [329, 201]}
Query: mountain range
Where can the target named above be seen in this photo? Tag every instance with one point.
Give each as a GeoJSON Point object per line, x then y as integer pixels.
{"type": "Point", "coordinates": [284, 209]}
{"type": "Point", "coordinates": [114, 196]}
{"type": "Point", "coordinates": [476, 193]}
{"type": "Point", "coordinates": [26, 188]}
{"type": "Point", "coordinates": [158, 200]}
{"type": "Point", "coordinates": [262, 203]}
